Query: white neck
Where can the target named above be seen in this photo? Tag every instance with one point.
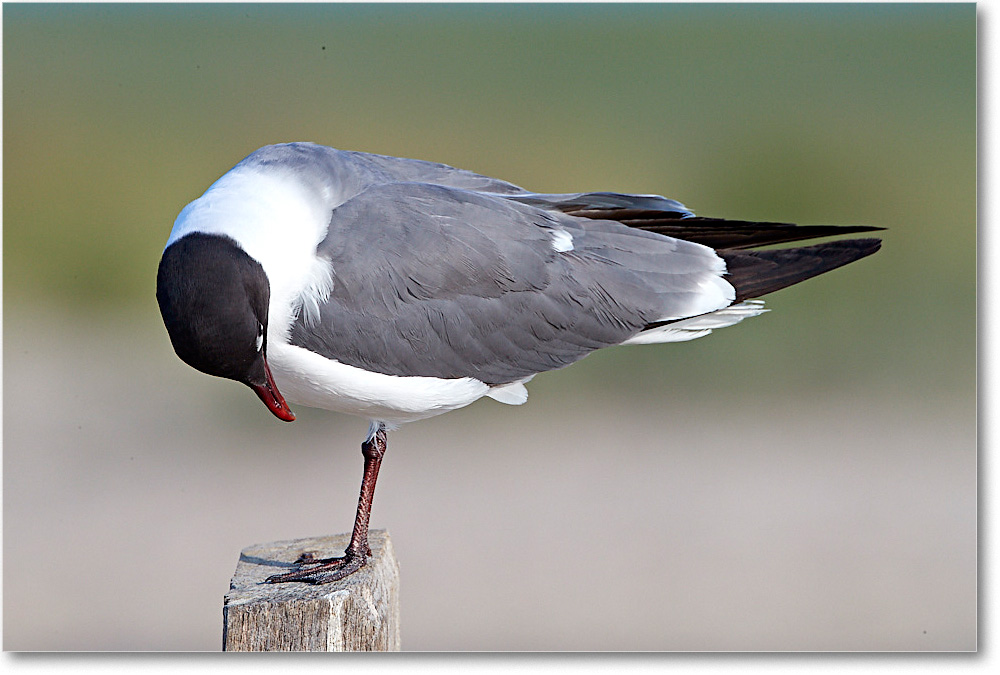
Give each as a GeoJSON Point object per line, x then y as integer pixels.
{"type": "Point", "coordinates": [278, 222]}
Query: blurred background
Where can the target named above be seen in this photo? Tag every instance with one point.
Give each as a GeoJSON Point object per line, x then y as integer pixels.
{"type": "Point", "coordinates": [806, 480]}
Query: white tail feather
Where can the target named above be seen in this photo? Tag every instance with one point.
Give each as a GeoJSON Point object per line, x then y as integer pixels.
{"type": "Point", "coordinates": [514, 393]}
{"type": "Point", "coordinates": [698, 326]}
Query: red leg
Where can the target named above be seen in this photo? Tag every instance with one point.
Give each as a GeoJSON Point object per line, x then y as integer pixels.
{"type": "Point", "coordinates": [331, 569]}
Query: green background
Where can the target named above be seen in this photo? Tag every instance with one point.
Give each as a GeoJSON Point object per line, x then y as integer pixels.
{"type": "Point", "coordinates": [116, 116]}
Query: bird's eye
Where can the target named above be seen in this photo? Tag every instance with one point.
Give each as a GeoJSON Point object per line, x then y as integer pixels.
{"type": "Point", "coordinates": [260, 336]}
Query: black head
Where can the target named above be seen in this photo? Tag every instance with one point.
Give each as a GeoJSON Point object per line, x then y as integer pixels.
{"type": "Point", "coordinates": [213, 298]}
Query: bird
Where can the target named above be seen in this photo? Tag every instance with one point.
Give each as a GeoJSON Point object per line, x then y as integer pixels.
{"type": "Point", "coordinates": [398, 289]}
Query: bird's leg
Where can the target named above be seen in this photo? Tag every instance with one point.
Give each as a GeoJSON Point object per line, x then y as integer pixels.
{"type": "Point", "coordinates": [325, 570]}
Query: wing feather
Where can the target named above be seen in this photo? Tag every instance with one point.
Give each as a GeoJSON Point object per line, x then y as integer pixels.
{"type": "Point", "coordinates": [445, 282]}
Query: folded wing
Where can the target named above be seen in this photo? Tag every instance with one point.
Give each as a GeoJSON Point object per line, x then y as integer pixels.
{"type": "Point", "coordinates": [444, 282]}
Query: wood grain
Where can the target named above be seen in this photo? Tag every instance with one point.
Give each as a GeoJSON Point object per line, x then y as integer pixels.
{"type": "Point", "coordinates": [359, 613]}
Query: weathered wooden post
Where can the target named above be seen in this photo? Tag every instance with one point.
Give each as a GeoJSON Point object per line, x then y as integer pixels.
{"type": "Point", "coordinates": [359, 613]}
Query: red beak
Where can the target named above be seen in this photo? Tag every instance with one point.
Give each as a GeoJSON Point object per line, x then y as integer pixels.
{"type": "Point", "coordinates": [272, 398]}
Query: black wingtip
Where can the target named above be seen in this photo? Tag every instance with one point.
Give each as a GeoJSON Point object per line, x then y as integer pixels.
{"type": "Point", "coordinates": [720, 233]}
{"type": "Point", "coordinates": [756, 273]}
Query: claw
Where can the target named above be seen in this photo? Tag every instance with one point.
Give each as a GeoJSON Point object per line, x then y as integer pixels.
{"type": "Point", "coordinates": [322, 571]}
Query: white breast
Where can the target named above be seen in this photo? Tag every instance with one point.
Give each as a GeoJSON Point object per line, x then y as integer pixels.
{"type": "Point", "coordinates": [307, 378]}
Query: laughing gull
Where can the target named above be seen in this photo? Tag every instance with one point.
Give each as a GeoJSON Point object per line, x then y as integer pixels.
{"type": "Point", "coordinates": [398, 289]}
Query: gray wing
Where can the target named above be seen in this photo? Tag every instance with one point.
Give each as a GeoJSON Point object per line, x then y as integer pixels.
{"type": "Point", "coordinates": [602, 204]}
{"type": "Point", "coordinates": [444, 282]}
